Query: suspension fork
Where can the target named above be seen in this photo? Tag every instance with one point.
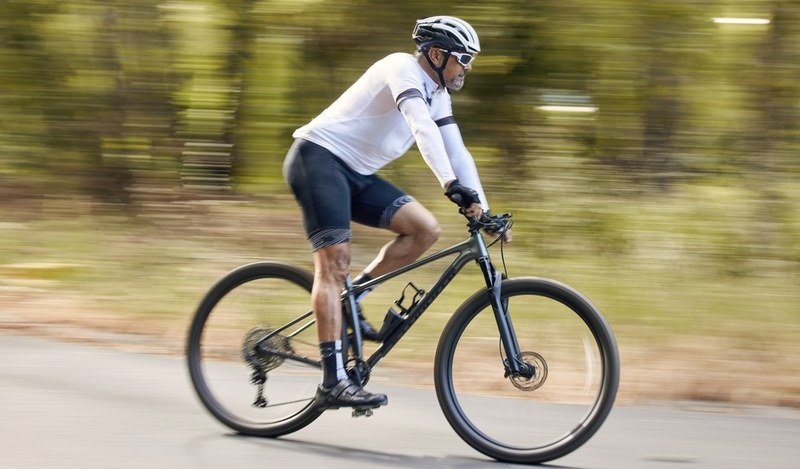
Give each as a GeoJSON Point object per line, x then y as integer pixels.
{"type": "Point", "coordinates": [494, 281]}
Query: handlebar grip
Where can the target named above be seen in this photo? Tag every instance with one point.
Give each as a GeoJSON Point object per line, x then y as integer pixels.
{"type": "Point", "coordinates": [456, 199]}
{"type": "Point", "coordinates": [461, 195]}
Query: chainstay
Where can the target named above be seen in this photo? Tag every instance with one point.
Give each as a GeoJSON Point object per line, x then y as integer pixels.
{"type": "Point", "coordinates": [289, 402]}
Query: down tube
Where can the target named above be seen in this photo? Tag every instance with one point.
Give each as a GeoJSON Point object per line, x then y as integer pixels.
{"type": "Point", "coordinates": [449, 274]}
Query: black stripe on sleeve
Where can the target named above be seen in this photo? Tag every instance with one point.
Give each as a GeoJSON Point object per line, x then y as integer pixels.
{"type": "Point", "coordinates": [446, 121]}
{"type": "Point", "coordinates": [410, 93]}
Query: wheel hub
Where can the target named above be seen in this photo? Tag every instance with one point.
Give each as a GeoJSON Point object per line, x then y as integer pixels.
{"type": "Point", "coordinates": [537, 378]}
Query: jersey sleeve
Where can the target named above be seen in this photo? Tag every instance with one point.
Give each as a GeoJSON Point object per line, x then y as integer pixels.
{"type": "Point", "coordinates": [407, 88]}
{"type": "Point", "coordinates": [460, 158]}
{"type": "Point", "coordinates": [429, 139]}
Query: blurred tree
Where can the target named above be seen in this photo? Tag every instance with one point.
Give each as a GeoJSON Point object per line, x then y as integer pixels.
{"type": "Point", "coordinates": [243, 27]}
{"type": "Point", "coordinates": [771, 140]}
{"type": "Point", "coordinates": [777, 91]}
{"type": "Point", "coordinates": [648, 55]}
{"type": "Point", "coordinates": [135, 98]}
{"type": "Point", "coordinates": [135, 122]}
{"type": "Point", "coordinates": [93, 82]}
{"type": "Point", "coordinates": [32, 78]}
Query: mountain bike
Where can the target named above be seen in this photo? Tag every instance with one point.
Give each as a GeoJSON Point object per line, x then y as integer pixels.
{"type": "Point", "coordinates": [526, 370]}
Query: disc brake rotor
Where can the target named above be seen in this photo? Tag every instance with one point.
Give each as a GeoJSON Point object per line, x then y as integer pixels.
{"type": "Point", "coordinates": [539, 372]}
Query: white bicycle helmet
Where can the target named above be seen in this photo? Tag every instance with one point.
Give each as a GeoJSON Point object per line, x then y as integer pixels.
{"type": "Point", "coordinates": [447, 32]}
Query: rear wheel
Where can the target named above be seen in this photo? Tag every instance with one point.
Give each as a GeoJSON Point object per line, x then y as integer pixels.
{"type": "Point", "coordinates": [252, 350]}
{"type": "Point", "coordinates": [563, 340]}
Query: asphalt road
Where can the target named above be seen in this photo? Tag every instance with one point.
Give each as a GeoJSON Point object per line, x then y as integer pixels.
{"type": "Point", "coordinates": [76, 406]}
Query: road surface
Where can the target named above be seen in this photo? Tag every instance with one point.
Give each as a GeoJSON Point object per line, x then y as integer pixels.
{"type": "Point", "coordinates": [78, 406]}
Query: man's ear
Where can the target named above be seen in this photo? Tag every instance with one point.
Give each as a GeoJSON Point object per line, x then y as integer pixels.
{"type": "Point", "coordinates": [436, 56]}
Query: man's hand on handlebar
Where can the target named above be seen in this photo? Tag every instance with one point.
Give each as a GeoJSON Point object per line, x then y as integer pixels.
{"type": "Point", "coordinates": [494, 225]}
{"type": "Point", "coordinates": [464, 197]}
{"type": "Point", "coordinates": [473, 211]}
{"type": "Point", "coordinates": [470, 204]}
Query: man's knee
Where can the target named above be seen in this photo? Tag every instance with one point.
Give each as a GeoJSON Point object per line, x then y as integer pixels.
{"type": "Point", "coordinates": [332, 263]}
{"type": "Point", "coordinates": [417, 222]}
{"type": "Point", "coordinates": [431, 232]}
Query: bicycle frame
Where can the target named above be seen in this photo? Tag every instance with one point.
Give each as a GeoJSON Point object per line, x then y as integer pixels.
{"type": "Point", "coordinates": [473, 248]}
{"type": "Point", "coordinates": [585, 349]}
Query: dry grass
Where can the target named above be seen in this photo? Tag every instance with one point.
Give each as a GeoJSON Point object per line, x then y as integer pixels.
{"type": "Point", "coordinates": [132, 283]}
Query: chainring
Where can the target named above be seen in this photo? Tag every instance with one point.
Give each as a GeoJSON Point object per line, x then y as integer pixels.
{"type": "Point", "coordinates": [258, 356]}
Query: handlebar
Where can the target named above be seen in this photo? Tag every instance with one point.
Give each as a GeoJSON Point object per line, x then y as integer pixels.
{"type": "Point", "coordinates": [493, 224]}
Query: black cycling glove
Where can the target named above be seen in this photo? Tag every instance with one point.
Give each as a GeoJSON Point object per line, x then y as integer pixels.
{"type": "Point", "coordinates": [462, 196]}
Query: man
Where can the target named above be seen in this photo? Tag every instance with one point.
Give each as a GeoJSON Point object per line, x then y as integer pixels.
{"type": "Point", "coordinates": [400, 100]}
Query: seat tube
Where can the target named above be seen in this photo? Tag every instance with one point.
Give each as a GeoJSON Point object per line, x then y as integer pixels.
{"type": "Point", "coordinates": [350, 308]}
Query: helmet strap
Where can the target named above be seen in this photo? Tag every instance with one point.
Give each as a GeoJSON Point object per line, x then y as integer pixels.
{"type": "Point", "coordinates": [438, 69]}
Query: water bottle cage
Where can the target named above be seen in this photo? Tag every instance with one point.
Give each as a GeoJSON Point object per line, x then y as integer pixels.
{"type": "Point", "coordinates": [417, 295]}
{"type": "Point", "coordinates": [394, 318]}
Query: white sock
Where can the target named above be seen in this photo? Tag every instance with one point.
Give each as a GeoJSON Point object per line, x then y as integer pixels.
{"type": "Point", "coordinates": [340, 372]}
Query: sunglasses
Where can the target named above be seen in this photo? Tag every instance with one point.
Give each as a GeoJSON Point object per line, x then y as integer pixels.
{"type": "Point", "coordinates": [462, 57]}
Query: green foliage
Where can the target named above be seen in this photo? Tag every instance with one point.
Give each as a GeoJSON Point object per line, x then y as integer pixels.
{"type": "Point", "coordinates": [139, 104]}
{"type": "Point", "coordinates": [234, 78]}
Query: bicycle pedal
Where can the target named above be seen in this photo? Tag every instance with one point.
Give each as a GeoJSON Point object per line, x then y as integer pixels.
{"type": "Point", "coordinates": [362, 412]}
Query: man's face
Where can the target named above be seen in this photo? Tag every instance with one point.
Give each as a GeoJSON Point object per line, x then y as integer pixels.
{"type": "Point", "coordinates": [455, 71]}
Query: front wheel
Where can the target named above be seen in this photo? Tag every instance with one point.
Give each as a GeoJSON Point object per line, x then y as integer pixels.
{"type": "Point", "coordinates": [572, 365]}
{"type": "Point", "coordinates": [253, 351]}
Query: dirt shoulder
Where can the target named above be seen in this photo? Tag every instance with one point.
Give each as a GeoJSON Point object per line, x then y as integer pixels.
{"type": "Point", "coordinates": [699, 370]}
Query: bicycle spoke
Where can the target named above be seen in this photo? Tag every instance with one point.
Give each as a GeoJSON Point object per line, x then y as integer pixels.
{"type": "Point", "coordinates": [561, 395]}
{"type": "Point", "coordinates": [257, 338]}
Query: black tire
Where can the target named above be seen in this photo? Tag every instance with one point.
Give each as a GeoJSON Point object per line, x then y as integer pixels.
{"type": "Point", "coordinates": [532, 420]}
{"type": "Point", "coordinates": [240, 308]}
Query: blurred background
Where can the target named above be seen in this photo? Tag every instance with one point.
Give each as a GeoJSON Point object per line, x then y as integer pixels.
{"type": "Point", "coordinates": [648, 151]}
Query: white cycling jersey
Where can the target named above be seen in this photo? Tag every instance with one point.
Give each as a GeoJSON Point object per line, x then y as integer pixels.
{"type": "Point", "coordinates": [376, 121]}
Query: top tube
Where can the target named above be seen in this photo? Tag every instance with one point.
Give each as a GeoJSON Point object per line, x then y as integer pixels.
{"type": "Point", "coordinates": [471, 248]}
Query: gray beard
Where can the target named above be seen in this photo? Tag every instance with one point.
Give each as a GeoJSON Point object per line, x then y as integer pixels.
{"type": "Point", "coordinates": [456, 83]}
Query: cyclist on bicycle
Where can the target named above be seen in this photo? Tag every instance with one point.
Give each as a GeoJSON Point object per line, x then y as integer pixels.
{"type": "Point", "coordinates": [399, 100]}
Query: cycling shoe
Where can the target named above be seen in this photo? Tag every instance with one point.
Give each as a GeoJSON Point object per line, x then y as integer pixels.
{"type": "Point", "coordinates": [347, 393]}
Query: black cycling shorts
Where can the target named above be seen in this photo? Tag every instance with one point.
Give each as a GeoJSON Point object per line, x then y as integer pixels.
{"type": "Point", "coordinates": [331, 194]}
